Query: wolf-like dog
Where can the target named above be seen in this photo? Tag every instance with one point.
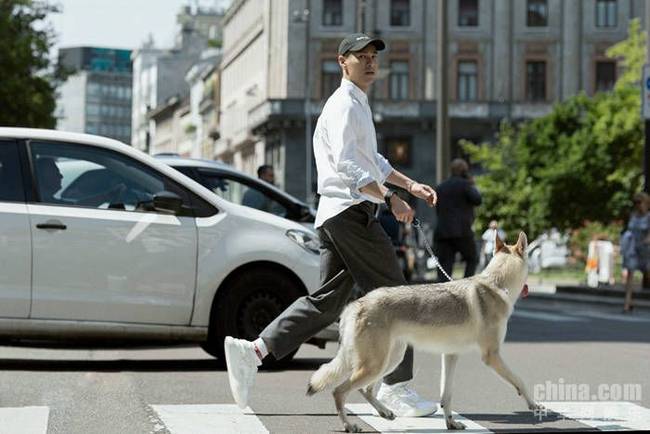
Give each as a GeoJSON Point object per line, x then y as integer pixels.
{"type": "Point", "coordinates": [447, 318]}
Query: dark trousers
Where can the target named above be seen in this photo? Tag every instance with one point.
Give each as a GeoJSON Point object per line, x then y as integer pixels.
{"type": "Point", "coordinates": [446, 249]}
{"type": "Point", "coordinates": [354, 250]}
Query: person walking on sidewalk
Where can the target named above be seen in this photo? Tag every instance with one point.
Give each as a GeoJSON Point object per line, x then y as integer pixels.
{"type": "Point", "coordinates": [635, 246]}
{"type": "Point", "coordinates": [458, 196]}
{"type": "Point", "coordinates": [354, 248]}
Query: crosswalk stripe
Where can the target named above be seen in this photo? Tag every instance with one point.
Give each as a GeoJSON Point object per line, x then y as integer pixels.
{"type": "Point", "coordinates": [604, 415]}
{"type": "Point", "coordinates": [421, 425]}
{"type": "Point", "coordinates": [545, 316]}
{"type": "Point", "coordinates": [24, 420]}
{"type": "Point", "coordinates": [209, 419]}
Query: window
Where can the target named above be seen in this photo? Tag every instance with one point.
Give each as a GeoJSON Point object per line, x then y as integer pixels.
{"type": "Point", "coordinates": [399, 80]}
{"type": "Point", "coordinates": [333, 12]}
{"type": "Point", "coordinates": [605, 75]}
{"type": "Point", "coordinates": [400, 13]}
{"type": "Point", "coordinates": [241, 193]}
{"type": "Point", "coordinates": [330, 77]}
{"type": "Point", "coordinates": [537, 13]}
{"type": "Point", "coordinates": [606, 11]}
{"type": "Point", "coordinates": [93, 89]}
{"type": "Point", "coordinates": [398, 151]}
{"type": "Point", "coordinates": [536, 81]}
{"type": "Point", "coordinates": [91, 128]}
{"type": "Point", "coordinates": [76, 175]}
{"type": "Point", "coordinates": [11, 183]}
{"type": "Point", "coordinates": [467, 80]}
{"type": "Point", "coordinates": [468, 13]}
{"type": "Point", "coordinates": [92, 109]}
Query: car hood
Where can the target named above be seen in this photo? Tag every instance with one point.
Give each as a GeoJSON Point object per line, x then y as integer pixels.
{"type": "Point", "coordinates": [266, 218]}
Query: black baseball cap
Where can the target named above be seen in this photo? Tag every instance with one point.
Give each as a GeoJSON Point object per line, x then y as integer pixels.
{"type": "Point", "coordinates": [359, 41]}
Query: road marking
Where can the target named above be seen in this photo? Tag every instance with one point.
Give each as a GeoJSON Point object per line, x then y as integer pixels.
{"type": "Point", "coordinates": [604, 415]}
{"type": "Point", "coordinates": [420, 425]}
{"type": "Point", "coordinates": [545, 316]}
{"type": "Point", "coordinates": [24, 420]}
{"type": "Point", "coordinates": [209, 419]}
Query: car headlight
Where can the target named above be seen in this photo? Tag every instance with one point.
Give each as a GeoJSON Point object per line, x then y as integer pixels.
{"type": "Point", "coordinates": [307, 241]}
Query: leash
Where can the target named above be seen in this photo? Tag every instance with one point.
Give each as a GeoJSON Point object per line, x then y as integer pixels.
{"type": "Point", "coordinates": [416, 224]}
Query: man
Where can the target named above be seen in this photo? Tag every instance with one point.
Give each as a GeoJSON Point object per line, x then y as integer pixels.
{"type": "Point", "coordinates": [457, 196]}
{"type": "Point", "coordinates": [354, 247]}
{"type": "Point", "coordinates": [253, 197]}
{"type": "Point", "coordinates": [49, 180]}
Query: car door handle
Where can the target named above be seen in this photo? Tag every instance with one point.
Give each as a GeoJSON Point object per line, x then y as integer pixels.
{"type": "Point", "coordinates": [52, 224]}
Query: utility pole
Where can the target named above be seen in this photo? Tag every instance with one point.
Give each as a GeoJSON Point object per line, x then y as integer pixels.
{"type": "Point", "coordinates": [303, 17]}
{"type": "Point", "coordinates": [308, 193]}
{"type": "Point", "coordinates": [443, 151]}
{"type": "Point", "coordinates": [361, 16]}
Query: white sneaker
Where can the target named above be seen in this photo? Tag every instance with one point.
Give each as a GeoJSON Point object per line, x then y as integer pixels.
{"type": "Point", "coordinates": [242, 363]}
{"type": "Point", "coordinates": [404, 401]}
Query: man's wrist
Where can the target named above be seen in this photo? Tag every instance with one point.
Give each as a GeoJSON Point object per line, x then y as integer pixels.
{"type": "Point", "coordinates": [409, 185]}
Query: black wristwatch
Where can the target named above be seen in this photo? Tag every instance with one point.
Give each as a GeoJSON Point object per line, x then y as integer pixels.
{"type": "Point", "coordinates": [389, 193]}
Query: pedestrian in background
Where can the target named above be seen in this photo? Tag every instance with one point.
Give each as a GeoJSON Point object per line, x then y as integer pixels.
{"type": "Point", "coordinates": [457, 197]}
{"type": "Point", "coordinates": [635, 246]}
{"type": "Point", "coordinates": [256, 199]}
{"type": "Point", "coordinates": [489, 240]}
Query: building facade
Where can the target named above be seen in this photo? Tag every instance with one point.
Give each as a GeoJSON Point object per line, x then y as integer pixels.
{"type": "Point", "coordinates": [96, 98]}
{"type": "Point", "coordinates": [508, 59]}
{"type": "Point", "coordinates": [160, 74]}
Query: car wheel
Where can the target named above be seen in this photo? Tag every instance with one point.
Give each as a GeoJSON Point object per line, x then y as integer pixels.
{"type": "Point", "coordinates": [251, 301]}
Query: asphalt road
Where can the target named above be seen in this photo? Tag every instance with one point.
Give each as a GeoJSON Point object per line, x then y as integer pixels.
{"type": "Point", "coordinates": [182, 390]}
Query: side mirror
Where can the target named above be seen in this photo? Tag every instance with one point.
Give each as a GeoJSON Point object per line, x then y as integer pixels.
{"type": "Point", "coordinates": [167, 202]}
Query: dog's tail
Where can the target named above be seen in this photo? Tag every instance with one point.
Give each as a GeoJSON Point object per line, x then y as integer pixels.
{"type": "Point", "coordinates": [337, 370]}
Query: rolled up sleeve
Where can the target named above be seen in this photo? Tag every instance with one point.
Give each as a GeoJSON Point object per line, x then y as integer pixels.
{"type": "Point", "coordinates": [384, 167]}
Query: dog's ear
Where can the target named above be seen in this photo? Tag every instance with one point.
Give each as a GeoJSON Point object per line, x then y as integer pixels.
{"type": "Point", "coordinates": [522, 244]}
{"type": "Point", "coordinates": [499, 244]}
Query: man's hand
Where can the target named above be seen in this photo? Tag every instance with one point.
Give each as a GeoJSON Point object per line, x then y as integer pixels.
{"type": "Point", "coordinates": [424, 192]}
{"type": "Point", "coordinates": [401, 210]}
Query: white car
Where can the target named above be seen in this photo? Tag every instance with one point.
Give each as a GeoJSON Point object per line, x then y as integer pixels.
{"type": "Point", "coordinates": [101, 241]}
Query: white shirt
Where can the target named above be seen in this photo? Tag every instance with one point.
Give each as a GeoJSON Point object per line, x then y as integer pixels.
{"type": "Point", "coordinates": [490, 239]}
{"type": "Point", "coordinates": [345, 149]}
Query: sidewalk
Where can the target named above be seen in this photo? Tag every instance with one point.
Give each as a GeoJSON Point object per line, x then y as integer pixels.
{"type": "Point", "coordinates": [574, 291]}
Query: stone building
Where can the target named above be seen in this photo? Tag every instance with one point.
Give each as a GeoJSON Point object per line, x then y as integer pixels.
{"type": "Point", "coordinates": [507, 59]}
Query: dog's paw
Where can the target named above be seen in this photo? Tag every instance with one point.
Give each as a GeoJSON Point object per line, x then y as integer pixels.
{"type": "Point", "coordinates": [535, 406]}
{"type": "Point", "coordinates": [452, 424]}
{"type": "Point", "coordinates": [387, 414]}
{"type": "Point", "coordinates": [351, 427]}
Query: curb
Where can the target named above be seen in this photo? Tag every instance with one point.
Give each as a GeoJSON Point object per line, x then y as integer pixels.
{"type": "Point", "coordinates": [587, 298]}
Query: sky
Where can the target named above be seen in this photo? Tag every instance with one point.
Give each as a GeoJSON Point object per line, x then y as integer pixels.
{"type": "Point", "coordinates": [119, 23]}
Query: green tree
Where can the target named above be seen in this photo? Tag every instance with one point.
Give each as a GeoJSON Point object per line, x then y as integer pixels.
{"type": "Point", "coordinates": [28, 77]}
{"type": "Point", "coordinates": [581, 162]}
